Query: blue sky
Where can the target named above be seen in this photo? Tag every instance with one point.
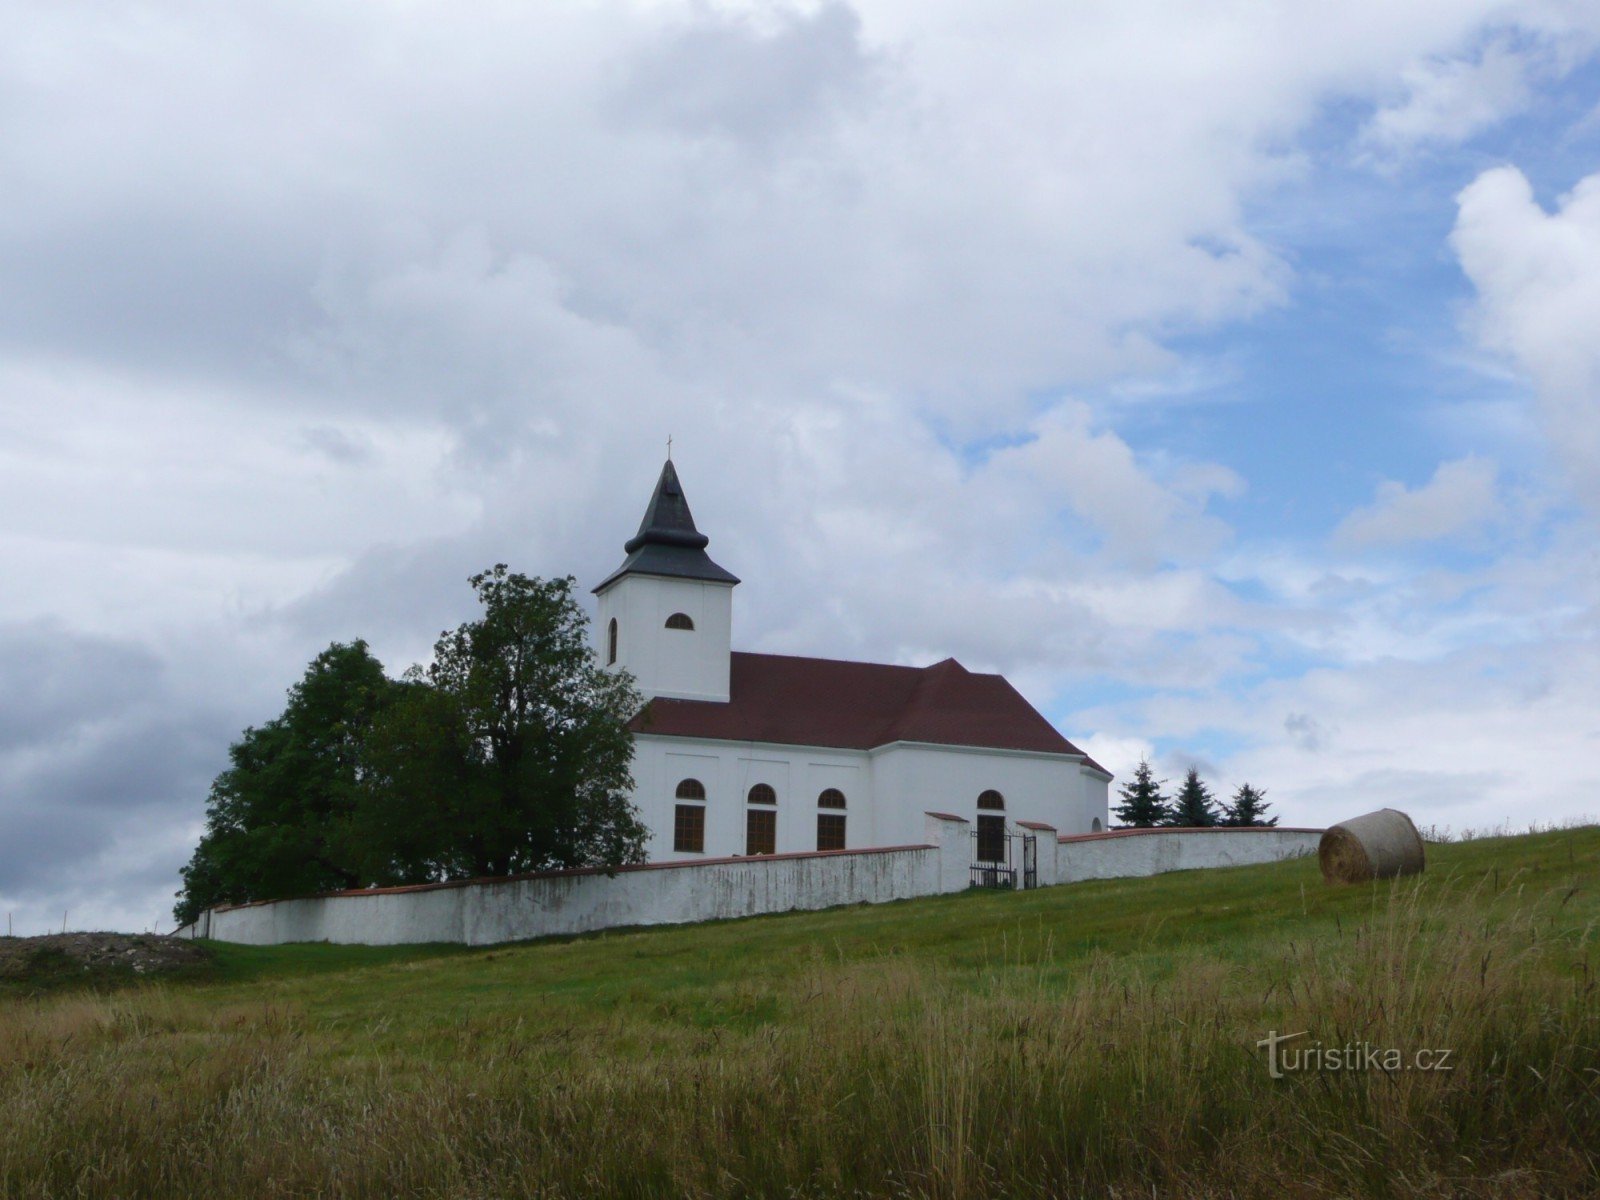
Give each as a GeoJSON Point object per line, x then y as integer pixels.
{"type": "Point", "coordinates": [1226, 378]}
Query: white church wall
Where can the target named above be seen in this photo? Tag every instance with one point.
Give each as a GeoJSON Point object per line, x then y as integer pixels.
{"type": "Point", "coordinates": [729, 770]}
{"type": "Point", "coordinates": [567, 902]}
{"type": "Point", "coordinates": [1036, 787]}
{"type": "Point", "coordinates": [680, 663]}
{"type": "Point", "coordinates": [886, 790]}
{"type": "Point", "coordinates": [1133, 852]}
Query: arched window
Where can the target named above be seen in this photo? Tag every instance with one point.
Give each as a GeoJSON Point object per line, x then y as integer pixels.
{"type": "Point", "coordinates": [689, 820]}
{"type": "Point", "coordinates": [680, 621]}
{"type": "Point", "coordinates": [830, 831]}
{"type": "Point", "coordinates": [991, 799]}
{"type": "Point", "coordinates": [611, 642]}
{"type": "Point", "coordinates": [831, 798]}
{"type": "Point", "coordinates": [763, 794]}
{"type": "Point", "coordinates": [1095, 826]}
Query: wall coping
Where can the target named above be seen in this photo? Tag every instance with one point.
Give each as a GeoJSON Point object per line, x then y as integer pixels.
{"type": "Point", "coordinates": [1122, 833]}
{"type": "Point", "coordinates": [571, 872]}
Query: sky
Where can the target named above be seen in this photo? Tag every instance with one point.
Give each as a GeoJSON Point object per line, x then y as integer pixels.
{"type": "Point", "coordinates": [1225, 374]}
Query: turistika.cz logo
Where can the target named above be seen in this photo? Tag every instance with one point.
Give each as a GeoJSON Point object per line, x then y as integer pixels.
{"type": "Point", "coordinates": [1351, 1056]}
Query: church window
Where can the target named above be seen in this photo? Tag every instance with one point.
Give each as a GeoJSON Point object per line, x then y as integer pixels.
{"type": "Point", "coordinates": [689, 820]}
{"type": "Point", "coordinates": [1095, 826]}
{"type": "Point", "coordinates": [611, 642]}
{"type": "Point", "coordinates": [680, 621]}
{"type": "Point", "coordinates": [992, 840]}
{"type": "Point", "coordinates": [830, 831]}
{"type": "Point", "coordinates": [761, 831]}
{"type": "Point", "coordinates": [689, 829]}
{"type": "Point", "coordinates": [763, 794]}
{"type": "Point", "coordinates": [991, 799]}
{"type": "Point", "coordinates": [831, 798]}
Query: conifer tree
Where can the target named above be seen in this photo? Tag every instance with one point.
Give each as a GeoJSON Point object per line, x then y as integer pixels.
{"type": "Point", "coordinates": [1193, 807]}
{"type": "Point", "coordinates": [1142, 805]}
{"type": "Point", "coordinates": [1248, 807]}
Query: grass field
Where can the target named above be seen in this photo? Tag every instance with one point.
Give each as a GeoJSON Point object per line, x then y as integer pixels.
{"type": "Point", "coordinates": [1097, 1039]}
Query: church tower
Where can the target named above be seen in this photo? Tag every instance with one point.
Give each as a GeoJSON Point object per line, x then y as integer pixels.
{"type": "Point", "coordinates": [666, 614]}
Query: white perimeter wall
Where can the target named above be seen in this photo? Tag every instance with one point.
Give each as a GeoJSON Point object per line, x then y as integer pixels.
{"type": "Point", "coordinates": [566, 902]}
{"type": "Point", "coordinates": [1126, 852]}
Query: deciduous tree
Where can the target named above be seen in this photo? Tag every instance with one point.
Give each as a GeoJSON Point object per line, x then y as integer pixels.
{"type": "Point", "coordinates": [509, 752]}
{"type": "Point", "coordinates": [280, 818]}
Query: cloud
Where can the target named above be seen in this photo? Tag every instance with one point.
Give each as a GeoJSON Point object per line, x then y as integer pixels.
{"type": "Point", "coordinates": [1537, 276]}
{"type": "Point", "coordinates": [95, 744]}
{"type": "Point", "coordinates": [1450, 100]}
{"type": "Point", "coordinates": [308, 312]}
{"type": "Point", "coordinates": [1461, 497]}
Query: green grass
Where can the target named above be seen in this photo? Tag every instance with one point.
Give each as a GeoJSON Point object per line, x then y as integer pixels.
{"type": "Point", "coordinates": [1097, 1039]}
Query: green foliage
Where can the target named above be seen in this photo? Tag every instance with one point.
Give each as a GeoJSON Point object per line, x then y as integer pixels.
{"type": "Point", "coordinates": [1248, 807]}
{"type": "Point", "coordinates": [1142, 805]}
{"type": "Point", "coordinates": [1193, 807]}
{"type": "Point", "coordinates": [930, 1048]}
{"type": "Point", "coordinates": [509, 752]}
{"type": "Point", "coordinates": [280, 818]}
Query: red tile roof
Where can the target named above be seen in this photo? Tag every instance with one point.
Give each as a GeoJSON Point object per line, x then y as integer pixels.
{"type": "Point", "coordinates": [858, 706]}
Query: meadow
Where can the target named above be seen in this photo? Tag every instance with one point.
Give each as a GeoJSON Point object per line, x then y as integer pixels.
{"type": "Point", "coordinates": [1097, 1039]}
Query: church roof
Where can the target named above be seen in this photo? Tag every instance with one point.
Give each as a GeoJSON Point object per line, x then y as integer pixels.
{"type": "Point", "coordinates": [667, 542]}
{"type": "Point", "coordinates": [858, 706]}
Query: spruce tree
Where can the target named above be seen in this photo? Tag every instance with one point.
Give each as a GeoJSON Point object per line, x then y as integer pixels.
{"type": "Point", "coordinates": [1248, 807]}
{"type": "Point", "coordinates": [1142, 805]}
{"type": "Point", "coordinates": [1193, 807]}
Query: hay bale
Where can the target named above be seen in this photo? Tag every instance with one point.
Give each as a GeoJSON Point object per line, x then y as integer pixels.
{"type": "Point", "coordinates": [1379, 845]}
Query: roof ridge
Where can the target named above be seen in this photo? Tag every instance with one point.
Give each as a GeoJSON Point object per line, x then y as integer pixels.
{"type": "Point", "coordinates": [854, 662]}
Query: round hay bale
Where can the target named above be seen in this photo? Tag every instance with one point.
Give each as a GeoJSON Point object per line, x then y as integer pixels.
{"type": "Point", "coordinates": [1379, 845]}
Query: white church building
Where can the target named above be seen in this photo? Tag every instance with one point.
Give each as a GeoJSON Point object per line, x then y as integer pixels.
{"type": "Point", "coordinates": [742, 754]}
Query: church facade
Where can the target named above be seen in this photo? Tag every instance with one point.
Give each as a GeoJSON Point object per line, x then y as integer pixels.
{"type": "Point", "coordinates": [739, 753]}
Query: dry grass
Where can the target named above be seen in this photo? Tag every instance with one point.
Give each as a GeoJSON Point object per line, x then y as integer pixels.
{"type": "Point", "coordinates": [1100, 1071]}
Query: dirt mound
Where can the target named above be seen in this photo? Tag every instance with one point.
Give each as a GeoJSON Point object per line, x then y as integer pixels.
{"type": "Point", "coordinates": [59, 959]}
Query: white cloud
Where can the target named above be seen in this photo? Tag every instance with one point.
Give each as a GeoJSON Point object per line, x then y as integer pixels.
{"type": "Point", "coordinates": [309, 311]}
{"type": "Point", "coordinates": [1460, 497]}
{"type": "Point", "coordinates": [1453, 99]}
{"type": "Point", "coordinates": [1537, 276]}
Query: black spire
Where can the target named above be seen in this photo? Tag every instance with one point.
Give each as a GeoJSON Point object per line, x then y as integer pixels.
{"type": "Point", "coordinates": [667, 542]}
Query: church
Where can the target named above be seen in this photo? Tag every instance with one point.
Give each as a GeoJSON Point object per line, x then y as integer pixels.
{"type": "Point", "coordinates": [739, 754]}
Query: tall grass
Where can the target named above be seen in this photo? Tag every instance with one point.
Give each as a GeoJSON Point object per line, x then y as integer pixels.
{"type": "Point", "coordinates": [1102, 1074]}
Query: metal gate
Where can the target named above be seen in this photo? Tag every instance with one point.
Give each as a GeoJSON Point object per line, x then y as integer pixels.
{"type": "Point", "coordinates": [1004, 858]}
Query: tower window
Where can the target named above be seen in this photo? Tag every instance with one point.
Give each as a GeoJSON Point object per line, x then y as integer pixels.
{"type": "Point", "coordinates": [680, 621]}
{"type": "Point", "coordinates": [761, 831]}
{"type": "Point", "coordinates": [830, 831]}
{"type": "Point", "coordinates": [611, 642]}
{"type": "Point", "coordinates": [691, 789]}
{"type": "Point", "coordinates": [991, 799]}
{"type": "Point", "coordinates": [831, 798]}
{"type": "Point", "coordinates": [763, 794]}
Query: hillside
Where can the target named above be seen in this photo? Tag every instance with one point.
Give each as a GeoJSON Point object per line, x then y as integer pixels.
{"type": "Point", "coordinates": [1094, 1039]}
